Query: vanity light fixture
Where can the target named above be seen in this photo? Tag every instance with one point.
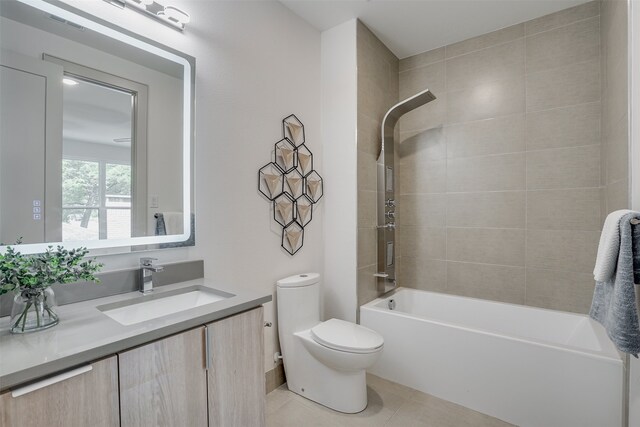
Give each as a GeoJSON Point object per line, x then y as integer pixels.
{"type": "Point", "coordinates": [175, 16]}
{"type": "Point", "coordinates": [170, 15]}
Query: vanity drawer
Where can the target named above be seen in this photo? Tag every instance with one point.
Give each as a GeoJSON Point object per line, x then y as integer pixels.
{"type": "Point", "coordinates": [86, 396]}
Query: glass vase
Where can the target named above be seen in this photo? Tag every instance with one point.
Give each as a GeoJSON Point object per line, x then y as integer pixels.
{"type": "Point", "coordinates": [33, 310]}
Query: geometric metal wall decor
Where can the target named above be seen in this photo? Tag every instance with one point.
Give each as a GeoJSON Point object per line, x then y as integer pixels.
{"type": "Point", "coordinates": [291, 184]}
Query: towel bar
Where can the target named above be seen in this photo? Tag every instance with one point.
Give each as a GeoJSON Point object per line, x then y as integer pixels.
{"type": "Point", "coordinates": [635, 221]}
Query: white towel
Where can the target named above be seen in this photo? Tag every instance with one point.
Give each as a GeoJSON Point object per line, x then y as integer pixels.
{"type": "Point", "coordinates": [609, 247]}
{"type": "Point", "coordinates": [173, 222]}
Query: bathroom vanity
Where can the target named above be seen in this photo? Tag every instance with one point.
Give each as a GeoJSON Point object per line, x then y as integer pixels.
{"type": "Point", "coordinates": [197, 367]}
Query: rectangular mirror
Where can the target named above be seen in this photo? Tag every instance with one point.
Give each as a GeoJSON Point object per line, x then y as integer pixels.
{"type": "Point", "coordinates": [96, 133]}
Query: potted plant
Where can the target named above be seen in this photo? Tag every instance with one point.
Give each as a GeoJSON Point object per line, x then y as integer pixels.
{"type": "Point", "coordinates": [31, 276]}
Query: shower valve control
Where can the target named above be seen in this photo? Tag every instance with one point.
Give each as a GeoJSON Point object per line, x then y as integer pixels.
{"type": "Point", "coordinates": [390, 215]}
{"type": "Point", "coordinates": [391, 203]}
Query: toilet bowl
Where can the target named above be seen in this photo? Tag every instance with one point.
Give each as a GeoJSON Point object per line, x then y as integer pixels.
{"type": "Point", "coordinates": [323, 361]}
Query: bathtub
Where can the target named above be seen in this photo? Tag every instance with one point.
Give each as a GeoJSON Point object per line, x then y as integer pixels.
{"type": "Point", "coordinates": [524, 365]}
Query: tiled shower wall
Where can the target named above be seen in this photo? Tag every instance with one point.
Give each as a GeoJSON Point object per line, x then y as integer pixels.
{"type": "Point", "coordinates": [615, 92]}
{"type": "Point", "coordinates": [377, 92]}
{"type": "Point", "coordinates": [500, 178]}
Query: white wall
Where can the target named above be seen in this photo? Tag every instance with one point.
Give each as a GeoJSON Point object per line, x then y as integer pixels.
{"type": "Point", "coordinates": [339, 119]}
{"type": "Point", "coordinates": [256, 63]}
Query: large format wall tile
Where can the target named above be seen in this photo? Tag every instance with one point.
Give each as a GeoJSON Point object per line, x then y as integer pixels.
{"type": "Point", "coordinates": [422, 242]}
{"type": "Point", "coordinates": [559, 290]}
{"type": "Point", "coordinates": [562, 250]}
{"type": "Point", "coordinates": [367, 171]}
{"type": "Point", "coordinates": [616, 149]}
{"type": "Point", "coordinates": [617, 195]}
{"type": "Point", "coordinates": [428, 177]}
{"type": "Point", "coordinates": [500, 209]}
{"type": "Point", "coordinates": [429, 116]}
{"type": "Point", "coordinates": [367, 208]}
{"type": "Point", "coordinates": [578, 42]}
{"type": "Point", "coordinates": [564, 168]}
{"type": "Point", "coordinates": [571, 126]}
{"type": "Point", "coordinates": [369, 135]}
{"type": "Point", "coordinates": [425, 146]}
{"type": "Point", "coordinates": [488, 100]}
{"type": "Point", "coordinates": [571, 209]}
{"type": "Point", "coordinates": [563, 17]}
{"type": "Point", "coordinates": [501, 62]}
{"type": "Point", "coordinates": [430, 76]}
{"type": "Point", "coordinates": [367, 246]}
{"type": "Point", "coordinates": [493, 282]}
{"type": "Point", "coordinates": [486, 40]}
{"type": "Point", "coordinates": [562, 86]}
{"type": "Point", "coordinates": [491, 136]}
{"type": "Point", "coordinates": [425, 274]}
{"type": "Point", "coordinates": [367, 284]}
{"type": "Point", "coordinates": [486, 173]}
{"type": "Point", "coordinates": [616, 91]}
{"type": "Point", "coordinates": [486, 245]}
{"type": "Point", "coordinates": [422, 59]}
{"type": "Point", "coordinates": [423, 210]}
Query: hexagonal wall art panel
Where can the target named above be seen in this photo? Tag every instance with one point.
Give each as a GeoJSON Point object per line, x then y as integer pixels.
{"type": "Point", "coordinates": [285, 155]}
{"type": "Point", "coordinates": [270, 181]}
{"type": "Point", "coordinates": [313, 186]}
{"type": "Point", "coordinates": [291, 184]}
{"type": "Point", "coordinates": [284, 209]}
{"type": "Point", "coordinates": [293, 130]}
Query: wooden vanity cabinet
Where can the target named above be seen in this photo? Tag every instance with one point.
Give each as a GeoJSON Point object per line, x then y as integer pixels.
{"type": "Point", "coordinates": [208, 376]}
{"type": "Point", "coordinates": [212, 375]}
{"type": "Point", "coordinates": [164, 383]}
{"type": "Point", "coordinates": [88, 398]}
{"type": "Point", "coordinates": [236, 376]}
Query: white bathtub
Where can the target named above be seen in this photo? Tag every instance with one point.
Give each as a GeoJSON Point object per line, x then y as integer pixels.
{"type": "Point", "coordinates": [528, 366]}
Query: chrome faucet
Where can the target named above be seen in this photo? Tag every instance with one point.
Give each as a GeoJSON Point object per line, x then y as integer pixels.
{"type": "Point", "coordinates": [147, 268]}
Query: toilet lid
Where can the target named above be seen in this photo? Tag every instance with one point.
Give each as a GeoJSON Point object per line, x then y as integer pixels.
{"type": "Point", "coordinates": [346, 336]}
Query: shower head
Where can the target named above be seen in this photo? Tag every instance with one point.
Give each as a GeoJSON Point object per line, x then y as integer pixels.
{"type": "Point", "coordinates": [393, 115]}
{"type": "Point", "coordinates": [403, 107]}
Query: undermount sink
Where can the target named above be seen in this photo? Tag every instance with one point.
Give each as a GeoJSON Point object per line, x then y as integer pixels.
{"type": "Point", "coordinates": [153, 306]}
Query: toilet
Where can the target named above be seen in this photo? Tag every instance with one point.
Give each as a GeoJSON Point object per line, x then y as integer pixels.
{"type": "Point", "coordinates": [323, 361]}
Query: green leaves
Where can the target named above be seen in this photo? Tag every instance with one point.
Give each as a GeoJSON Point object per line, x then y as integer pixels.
{"type": "Point", "coordinates": [20, 272]}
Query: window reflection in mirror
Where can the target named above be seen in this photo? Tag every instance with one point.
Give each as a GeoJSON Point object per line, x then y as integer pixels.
{"type": "Point", "coordinates": [96, 188]}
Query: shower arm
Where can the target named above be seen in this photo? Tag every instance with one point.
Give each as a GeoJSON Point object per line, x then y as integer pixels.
{"type": "Point", "coordinates": [401, 108]}
{"type": "Point", "coordinates": [386, 274]}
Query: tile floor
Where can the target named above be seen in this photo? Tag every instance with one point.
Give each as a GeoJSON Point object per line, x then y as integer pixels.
{"type": "Point", "coordinates": [390, 404]}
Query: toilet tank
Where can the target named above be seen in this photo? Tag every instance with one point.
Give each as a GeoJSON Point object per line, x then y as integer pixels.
{"type": "Point", "coordinates": [298, 300]}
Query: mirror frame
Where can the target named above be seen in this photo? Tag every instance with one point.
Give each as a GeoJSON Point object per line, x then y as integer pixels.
{"type": "Point", "coordinates": [108, 29]}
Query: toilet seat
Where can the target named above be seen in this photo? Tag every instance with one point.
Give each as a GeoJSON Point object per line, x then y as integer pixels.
{"type": "Point", "coordinates": [346, 336]}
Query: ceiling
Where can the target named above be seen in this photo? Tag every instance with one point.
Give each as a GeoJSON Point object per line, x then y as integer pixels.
{"type": "Point", "coordinates": [96, 114]}
{"type": "Point", "coordinates": [409, 27]}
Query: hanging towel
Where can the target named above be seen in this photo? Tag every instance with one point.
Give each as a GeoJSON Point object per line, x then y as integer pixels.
{"type": "Point", "coordinates": [191, 241]}
{"type": "Point", "coordinates": [614, 300]}
{"type": "Point", "coordinates": [161, 230]}
{"type": "Point", "coordinates": [609, 247]}
{"type": "Point", "coordinates": [168, 223]}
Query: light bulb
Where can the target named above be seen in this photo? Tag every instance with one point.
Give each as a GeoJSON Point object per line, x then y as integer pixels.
{"type": "Point", "coordinates": [69, 82]}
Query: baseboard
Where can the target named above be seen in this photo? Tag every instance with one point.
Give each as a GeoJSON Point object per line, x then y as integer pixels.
{"type": "Point", "coordinates": [275, 378]}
